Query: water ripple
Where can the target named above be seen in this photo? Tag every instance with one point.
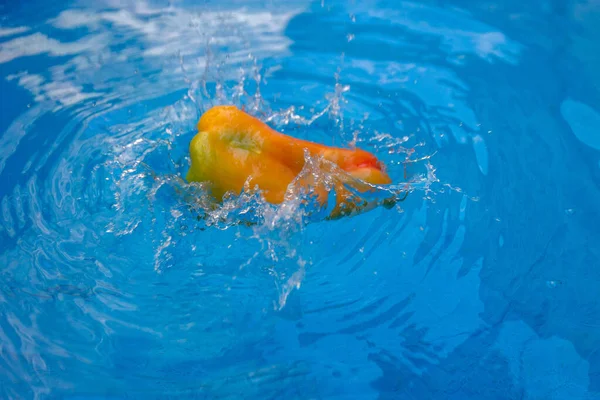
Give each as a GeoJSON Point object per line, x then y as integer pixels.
{"type": "Point", "coordinates": [118, 274]}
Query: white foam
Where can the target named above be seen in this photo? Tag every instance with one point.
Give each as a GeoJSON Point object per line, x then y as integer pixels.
{"type": "Point", "coordinates": [71, 19]}
{"type": "Point", "coordinates": [177, 30]}
{"type": "Point", "coordinates": [160, 36]}
{"type": "Point", "coordinates": [12, 31]}
{"type": "Point", "coordinates": [65, 93]}
{"type": "Point", "coordinates": [38, 43]}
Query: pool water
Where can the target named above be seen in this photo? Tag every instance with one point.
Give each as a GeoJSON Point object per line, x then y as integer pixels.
{"type": "Point", "coordinates": [118, 280]}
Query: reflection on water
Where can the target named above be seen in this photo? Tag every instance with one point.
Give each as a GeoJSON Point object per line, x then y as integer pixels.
{"type": "Point", "coordinates": [119, 277]}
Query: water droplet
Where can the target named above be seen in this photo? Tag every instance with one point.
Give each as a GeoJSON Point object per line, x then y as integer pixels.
{"type": "Point", "coordinates": [169, 131]}
{"type": "Point", "coordinates": [350, 37]}
{"type": "Point", "coordinates": [570, 211]}
{"type": "Point", "coordinates": [176, 213]}
{"type": "Point", "coordinates": [489, 132]}
{"type": "Point", "coordinates": [551, 284]}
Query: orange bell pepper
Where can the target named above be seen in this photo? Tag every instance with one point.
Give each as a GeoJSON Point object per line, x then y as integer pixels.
{"type": "Point", "coordinates": [233, 148]}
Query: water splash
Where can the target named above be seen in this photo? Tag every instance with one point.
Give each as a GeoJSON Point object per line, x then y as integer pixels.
{"type": "Point", "coordinates": [104, 218]}
{"type": "Point", "coordinates": [140, 172]}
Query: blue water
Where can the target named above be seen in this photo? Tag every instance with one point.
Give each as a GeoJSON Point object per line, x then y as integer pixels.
{"type": "Point", "coordinates": [117, 282]}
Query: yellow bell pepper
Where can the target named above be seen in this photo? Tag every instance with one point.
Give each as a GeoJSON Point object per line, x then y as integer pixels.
{"type": "Point", "coordinates": [233, 148]}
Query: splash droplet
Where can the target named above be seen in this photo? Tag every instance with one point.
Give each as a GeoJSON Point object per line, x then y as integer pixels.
{"type": "Point", "coordinates": [551, 284]}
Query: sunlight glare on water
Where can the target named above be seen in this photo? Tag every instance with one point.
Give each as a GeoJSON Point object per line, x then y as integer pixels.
{"type": "Point", "coordinates": [121, 279]}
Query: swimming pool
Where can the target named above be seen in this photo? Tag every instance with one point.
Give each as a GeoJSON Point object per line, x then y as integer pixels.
{"type": "Point", "coordinates": [482, 284]}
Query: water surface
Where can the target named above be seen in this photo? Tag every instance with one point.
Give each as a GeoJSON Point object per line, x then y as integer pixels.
{"type": "Point", "coordinates": [481, 285]}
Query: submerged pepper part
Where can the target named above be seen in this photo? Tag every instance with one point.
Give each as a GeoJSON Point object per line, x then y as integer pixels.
{"type": "Point", "coordinates": [232, 149]}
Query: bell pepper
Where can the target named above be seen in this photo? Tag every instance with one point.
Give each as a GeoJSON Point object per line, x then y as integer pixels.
{"type": "Point", "coordinates": [233, 148]}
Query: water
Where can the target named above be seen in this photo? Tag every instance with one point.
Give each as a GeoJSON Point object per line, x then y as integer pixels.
{"type": "Point", "coordinates": [118, 279]}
